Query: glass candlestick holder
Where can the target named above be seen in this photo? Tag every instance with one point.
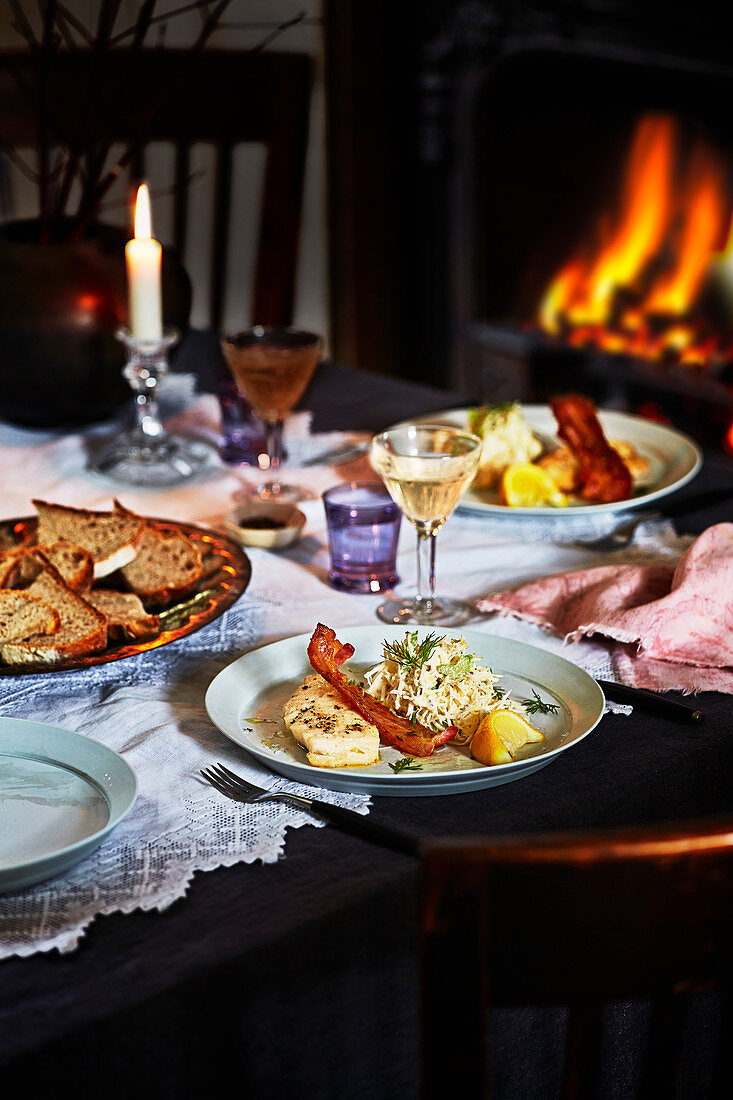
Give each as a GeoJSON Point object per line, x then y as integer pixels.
{"type": "Point", "coordinates": [146, 454]}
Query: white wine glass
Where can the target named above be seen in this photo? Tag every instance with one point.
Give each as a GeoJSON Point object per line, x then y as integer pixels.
{"type": "Point", "coordinates": [426, 468]}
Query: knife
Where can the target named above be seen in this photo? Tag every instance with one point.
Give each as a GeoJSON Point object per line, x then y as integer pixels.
{"type": "Point", "coordinates": [650, 703]}
{"type": "Point", "coordinates": [336, 458]}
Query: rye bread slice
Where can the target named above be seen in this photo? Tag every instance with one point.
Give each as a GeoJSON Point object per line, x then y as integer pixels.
{"type": "Point", "coordinates": [126, 617]}
{"type": "Point", "coordinates": [167, 566]}
{"type": "Point", "coordinates": [112, 538]}
{"type": "Point", "coordinates": [9, 560]}
{"type": "Point", "coordinates": [22, 615]}
{"type": "Point", "coordinates": [74, 563]}
{"type": "Point", "coordinates": [82, 629]}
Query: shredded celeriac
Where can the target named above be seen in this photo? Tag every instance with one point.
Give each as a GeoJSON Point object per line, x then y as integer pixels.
{"type": "Point", "coordinates": [460, 693]}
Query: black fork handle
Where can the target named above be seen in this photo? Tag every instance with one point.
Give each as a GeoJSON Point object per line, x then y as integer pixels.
{"type": "Point", "coordinates": [365, 828]}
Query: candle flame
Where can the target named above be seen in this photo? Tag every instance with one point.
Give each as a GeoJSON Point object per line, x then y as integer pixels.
{"type": "Point", "coordinates": [143, 227]}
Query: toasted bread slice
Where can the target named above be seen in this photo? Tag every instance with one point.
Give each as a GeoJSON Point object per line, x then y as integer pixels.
{"type": "Point", "coordinates": [112, 538]}
{"type": "Point", "coordinates": [9, 560]}
{"type": "Point", "coordinates": [22, 615]}
{"type": "Point", "coordinates": [74, 563]}
{"type": "Point", "coordinates": [167, 566]}
{"type": "Point", "coordinates": [126, 617]}
{"type": "Point", "coordinates": [82, 629]}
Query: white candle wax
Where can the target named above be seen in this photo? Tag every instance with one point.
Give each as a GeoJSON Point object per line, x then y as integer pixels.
{"type": "Point", "coordinates": [143, 257]}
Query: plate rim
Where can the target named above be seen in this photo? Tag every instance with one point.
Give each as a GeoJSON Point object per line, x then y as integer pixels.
{"type": "Point", "coordinates": [123, 650]}
{"type": "Point", "coordinates": [429, 781]}
{"type": "Point", "coordinates": [641, 501]}
{"type": "Point", "coordinates": [93, 839]}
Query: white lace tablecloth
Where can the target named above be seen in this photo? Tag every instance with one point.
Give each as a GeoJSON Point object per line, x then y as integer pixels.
{"type": "Point", "coordinates": [151, 708]}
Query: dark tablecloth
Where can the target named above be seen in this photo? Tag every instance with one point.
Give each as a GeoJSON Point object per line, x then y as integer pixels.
{"type": "Point", "coordinates": [300, 977]}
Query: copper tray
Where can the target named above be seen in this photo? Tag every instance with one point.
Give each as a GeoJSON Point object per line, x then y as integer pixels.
{"type": "Point", "coordinates": [228, 576]}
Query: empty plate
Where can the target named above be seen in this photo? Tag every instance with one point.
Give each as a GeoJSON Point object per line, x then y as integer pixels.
{"type": "Point", "coordinates": [60, 795]}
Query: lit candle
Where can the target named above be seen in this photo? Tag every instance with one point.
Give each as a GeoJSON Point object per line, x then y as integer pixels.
{"type": "Point", "coordinates": [143, 256]}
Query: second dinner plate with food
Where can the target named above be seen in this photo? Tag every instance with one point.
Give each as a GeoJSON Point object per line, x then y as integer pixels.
{"type": "Point", "coordinates": [383, 710]}
{"type": "Point", "coordinates": [524, 453]}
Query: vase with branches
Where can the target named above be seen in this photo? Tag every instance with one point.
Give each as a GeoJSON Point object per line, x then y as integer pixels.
{"type": "Point", "coordinates": [75, 170]}
{"type": "Point", "coordinates": [62, 283]}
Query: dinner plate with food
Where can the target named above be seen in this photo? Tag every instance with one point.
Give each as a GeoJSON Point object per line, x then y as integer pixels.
{"type": "Point", "coordinates": [569, 459]}
{"type": "Point", "coordinates": [387, 711]}
{"type": "Point", "coordinates": [81, 587]}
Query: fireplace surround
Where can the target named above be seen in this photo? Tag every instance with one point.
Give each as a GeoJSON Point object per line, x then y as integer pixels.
{"type": "Point", "coordinates": [525, 117]}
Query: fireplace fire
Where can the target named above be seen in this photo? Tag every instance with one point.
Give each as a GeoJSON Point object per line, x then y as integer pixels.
{"type": "Point", "coordinates": [654, 274]}
{"type": "Point", "coordinates": [577, 213]}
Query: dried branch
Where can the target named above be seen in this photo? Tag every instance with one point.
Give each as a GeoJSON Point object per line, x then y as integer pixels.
{"type": "Point", "coordinates": [144, 19]}
{"type": "Point", "coordinates": [73, 170]}
{"type": "Point", "coordinates": [107, 16]}
{"type": "Point", "coordinates": [87, 163]}
{"type": "Point", "coordinates": [22, 165]}
{"type": "Point", "coordinates": [277, 31]}
{"type": "Point", "coordinates": [155, 192]}
{"type": "Point", "coordinates": [22, 25]}
{"type": "Point", "coordinates": [71, 19]}
{"type": "Point", "coordinates": [210, 24]}
{"type": "Point", "coordinates": [194, 6]}
{"type": "Point", "coordinates": [65, 32]}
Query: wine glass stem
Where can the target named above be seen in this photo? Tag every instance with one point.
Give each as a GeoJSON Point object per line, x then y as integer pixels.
{"type": "Point", "coordinates": [426, 541]}
{"type": "Point", "coordinates": [274, 445]}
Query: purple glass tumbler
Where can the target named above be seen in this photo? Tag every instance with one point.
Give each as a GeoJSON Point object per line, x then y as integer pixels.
{"type": "Point", "coordinates": [363, 527]}
{"type": "Point", "coordinates": [243, 435]}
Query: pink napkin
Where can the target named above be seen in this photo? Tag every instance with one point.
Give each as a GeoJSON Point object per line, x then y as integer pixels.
{"type": "Point", "coordinates": [675, 625]}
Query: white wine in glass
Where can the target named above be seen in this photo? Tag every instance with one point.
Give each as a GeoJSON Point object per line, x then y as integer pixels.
{"type": "Point", "coordinates": [426, 468]}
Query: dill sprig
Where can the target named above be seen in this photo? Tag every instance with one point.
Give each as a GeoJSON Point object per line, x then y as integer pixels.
{"type": "Point", "coordinates": [411, 653]}
{"type": "Point", "coordinates": [539, 706]}
{"type": "Point", "coordinates": [407, 763]}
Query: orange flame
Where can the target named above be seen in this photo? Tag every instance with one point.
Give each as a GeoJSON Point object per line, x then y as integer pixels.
{"type": "Point", "coordinates": [657, 249]}
{"type": "Point", "coordinates": [644, 214]}
{"type": "Point", "coordinates": [703, 202]}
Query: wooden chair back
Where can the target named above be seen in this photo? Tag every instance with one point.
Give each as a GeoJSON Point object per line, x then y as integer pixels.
{"type": "Point", "coordinates": [181, 96]}
{"type": "Point", "coordinates": [570, 919]}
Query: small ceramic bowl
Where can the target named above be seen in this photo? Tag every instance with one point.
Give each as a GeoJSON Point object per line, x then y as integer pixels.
{"type": "Point", "coordinates": [265, 523]}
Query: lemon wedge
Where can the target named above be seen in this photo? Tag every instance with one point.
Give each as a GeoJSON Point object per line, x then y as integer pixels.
{"type": "Point", "coordinates": [500, 735]}
{"type": "Point", "coordinates": [525, 485]}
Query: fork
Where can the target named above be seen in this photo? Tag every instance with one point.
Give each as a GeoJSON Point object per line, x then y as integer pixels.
{"type": "Point", "coordinates": [624, 533]}
{"type": "Point", "coordinates": [620, 536]}
{"type": "Point", "coordinates": [241, 790]}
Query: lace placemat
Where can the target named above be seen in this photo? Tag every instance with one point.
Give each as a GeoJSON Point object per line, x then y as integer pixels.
{"type": "Point", "coordinates": [150, 708]}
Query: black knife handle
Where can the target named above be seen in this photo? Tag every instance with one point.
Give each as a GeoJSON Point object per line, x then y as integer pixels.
{"type": "Point", "coordinates": [650, 703]}
{"type": "Point", "coordinates": [364, 827]}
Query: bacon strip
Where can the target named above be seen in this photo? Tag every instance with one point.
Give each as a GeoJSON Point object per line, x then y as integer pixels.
{"type": "Point", "coordinates": [603, 475]}
{"type": "Point", "coordinates": [326, 653]}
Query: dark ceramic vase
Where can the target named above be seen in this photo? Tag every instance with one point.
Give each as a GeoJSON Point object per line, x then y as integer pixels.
{"type": "Point", "coordinates": [60, 304]}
